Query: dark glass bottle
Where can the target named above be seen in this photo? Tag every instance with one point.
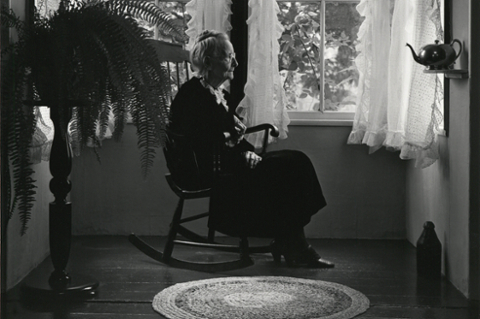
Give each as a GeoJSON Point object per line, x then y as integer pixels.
{"type": "Point", "coordinates": [429, 252]}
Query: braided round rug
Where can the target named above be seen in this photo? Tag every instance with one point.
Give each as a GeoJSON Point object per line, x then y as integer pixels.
{"type": "Point", "coordinates": [267, 297]}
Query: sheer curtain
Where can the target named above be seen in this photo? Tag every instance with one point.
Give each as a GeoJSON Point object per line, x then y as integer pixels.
{"type": "Point", "coordinates": [207, 15]}
{"type": "Point", "coordinates": [42, 137]}
{"type": "Point", "coordinates": [370, 123]}
{"type": "Point", "coordinates": [265, 100]}
{"type": "Point", "coordinates": [397, 105]}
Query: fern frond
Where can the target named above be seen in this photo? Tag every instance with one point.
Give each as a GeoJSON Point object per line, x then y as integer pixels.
{"type": "Point", "coordinates": [149, 12]}
{"type": "Point", "coordinates": [93, 52]}
{"type": "Point", "coordinates": [17, 131]}
{"type": "Point", "coordinates": [146, 136]}
{"type": "Point", "coordinates": [75, 136]}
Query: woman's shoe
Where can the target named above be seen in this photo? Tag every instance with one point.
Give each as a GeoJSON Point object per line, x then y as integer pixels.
{"type": "Point", "coordinates": [307, 258]}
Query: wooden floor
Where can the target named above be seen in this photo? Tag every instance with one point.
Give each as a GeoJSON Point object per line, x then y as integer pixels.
{"type": "Point", "coordinates": [383, 270]}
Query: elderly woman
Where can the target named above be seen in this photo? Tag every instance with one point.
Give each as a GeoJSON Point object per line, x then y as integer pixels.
{"type": "Point", "coordinates": [273, 196]}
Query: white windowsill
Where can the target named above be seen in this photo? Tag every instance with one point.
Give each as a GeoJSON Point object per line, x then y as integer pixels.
{"type": "Point", "coordinates": [320, 122]}
{"type": "Point", "coordinates": [321, 119]}
{"type": "Point", "coordinates": [441, 132]}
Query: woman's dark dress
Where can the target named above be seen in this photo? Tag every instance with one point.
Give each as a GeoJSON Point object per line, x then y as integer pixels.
{"type": "Point", "coordinates": [280, 194]}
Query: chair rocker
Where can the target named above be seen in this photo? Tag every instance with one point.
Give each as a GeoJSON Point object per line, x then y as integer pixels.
{"type": "Point", "coordinates": [196, 240]}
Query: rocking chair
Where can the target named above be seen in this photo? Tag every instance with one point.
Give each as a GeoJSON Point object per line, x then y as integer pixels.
{"type": "Point", "coordinates": [176, 56]}
{"type": "Point", "coordinates": [192, 238]}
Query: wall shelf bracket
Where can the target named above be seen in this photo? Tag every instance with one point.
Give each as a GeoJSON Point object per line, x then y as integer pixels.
{"type": "Point", "coordinates": [451, 74]}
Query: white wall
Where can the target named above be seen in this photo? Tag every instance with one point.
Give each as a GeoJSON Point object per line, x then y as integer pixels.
{"type": "Point", "coordinates": [474, 65]}
{"type": "Point", "coordinates": [25, 252]}
{"type": "Point", "coordinates": [365, 193]}
{"type": "Point", "coordinates": [440, 193]}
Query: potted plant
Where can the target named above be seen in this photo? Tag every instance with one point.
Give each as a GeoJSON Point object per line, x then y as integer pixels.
{"type": "Point", "coordinates": [86, 60]}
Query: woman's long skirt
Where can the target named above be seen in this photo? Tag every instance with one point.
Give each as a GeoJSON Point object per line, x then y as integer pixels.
{"type": "Point", "coordinates": [279, 195]}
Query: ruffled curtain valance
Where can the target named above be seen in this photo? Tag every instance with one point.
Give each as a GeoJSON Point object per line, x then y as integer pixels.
{"type": "Point", "coordinates": [265, 100]}
{"type": "Point", "coordinates": [398, 104]}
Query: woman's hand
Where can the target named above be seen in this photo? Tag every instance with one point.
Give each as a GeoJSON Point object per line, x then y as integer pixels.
{"type": "Point", "coordinates": [240, 128]}
{"type": "Point", "coordinates": [252, 159]}
{"type": "Point", "coordinates": [237, 135]}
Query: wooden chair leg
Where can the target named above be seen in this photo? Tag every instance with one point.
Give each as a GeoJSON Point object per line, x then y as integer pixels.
{"type": "Point", "coordinates": [211, 235]}
{"type": "Point", "coordinates": [172, 233]}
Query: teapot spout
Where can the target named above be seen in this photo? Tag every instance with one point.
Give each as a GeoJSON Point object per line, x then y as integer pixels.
{"type": "Point", "coordinates": [415, 56]}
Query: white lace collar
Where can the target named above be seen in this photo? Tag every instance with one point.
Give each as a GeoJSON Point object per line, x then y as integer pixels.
{"type": "Point", "coordinates": [218, 93]}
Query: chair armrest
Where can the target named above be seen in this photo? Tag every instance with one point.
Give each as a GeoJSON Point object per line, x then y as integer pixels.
{"type": "Point", "coordinates": [266, 127]}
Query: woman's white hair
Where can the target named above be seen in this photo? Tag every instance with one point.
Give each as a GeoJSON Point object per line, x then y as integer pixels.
{"type": "Point", "coordinates": [206, 44]}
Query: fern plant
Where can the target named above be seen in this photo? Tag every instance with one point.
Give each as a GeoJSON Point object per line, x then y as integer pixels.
{"type": "Point", "coordinates": [89, 58]}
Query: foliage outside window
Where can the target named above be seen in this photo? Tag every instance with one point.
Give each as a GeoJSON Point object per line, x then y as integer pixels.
{"type": "Point", "coordinates": [317, 52]}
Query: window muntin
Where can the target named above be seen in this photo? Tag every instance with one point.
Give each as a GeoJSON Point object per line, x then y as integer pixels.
{"type": "Point", "coordinates": [317, 52]}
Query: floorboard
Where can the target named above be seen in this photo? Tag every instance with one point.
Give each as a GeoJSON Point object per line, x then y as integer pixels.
{"type": "Point", "coordinates": [384, 270]}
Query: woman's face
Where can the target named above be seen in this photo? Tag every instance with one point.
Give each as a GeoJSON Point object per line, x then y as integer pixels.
{"type": "Point", "coordinates": [222, 65]}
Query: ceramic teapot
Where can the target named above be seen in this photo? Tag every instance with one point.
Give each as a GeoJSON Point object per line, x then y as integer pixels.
{"type": "Point", "coordinates": [437, 56]}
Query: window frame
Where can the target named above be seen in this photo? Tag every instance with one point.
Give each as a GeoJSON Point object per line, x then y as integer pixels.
{"type": "Point", "coordinates": [313, 118]}
{"type": "Point", "coordinates": [321, 118]}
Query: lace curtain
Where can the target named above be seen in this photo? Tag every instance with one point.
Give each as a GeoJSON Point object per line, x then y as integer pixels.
{"type": "Point", "coordinates": [397, 104]}
{"type": "Point", "coordinates": [207, 15]}
{"type": "Point", "coordinates": [43, 136]}
{"type": "Point", "coordinates": [265, 100]}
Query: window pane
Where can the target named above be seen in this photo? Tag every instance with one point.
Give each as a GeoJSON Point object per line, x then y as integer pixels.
{"type": "Point", "coordinates": [300, 54]}
{"type": "Point", "coordinates": [306, 59]}
{"type": "Point", "coordinates": [342, 22]}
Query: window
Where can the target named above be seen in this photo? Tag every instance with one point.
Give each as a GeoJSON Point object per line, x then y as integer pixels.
{"type": "Point", "coordinates": [317, 52]}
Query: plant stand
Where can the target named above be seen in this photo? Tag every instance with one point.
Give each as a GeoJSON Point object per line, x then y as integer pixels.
{"type": "Point", "coordinates": [60, 222]}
